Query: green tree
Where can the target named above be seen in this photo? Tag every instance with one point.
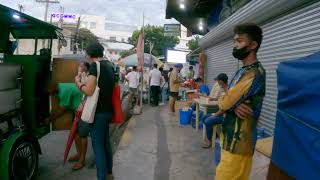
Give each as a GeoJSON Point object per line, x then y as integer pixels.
{"type": "Point", "coordinates": [155, 35]}
{"type": "Point", "coordinates": [127, 53]}
{"type": "Point", "coordinates": [193, 44]}
{"type": "Point", "coordinates": [86, 37]}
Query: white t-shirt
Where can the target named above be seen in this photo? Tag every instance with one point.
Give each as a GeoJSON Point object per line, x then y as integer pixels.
{"type": "Point", "coordinates": [155, 77]}
{"type": "Point", "coordinates": [133, 78]}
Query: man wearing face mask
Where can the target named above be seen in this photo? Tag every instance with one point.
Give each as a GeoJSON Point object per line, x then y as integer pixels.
{"type": "Point", "coordinates": [241, 106]}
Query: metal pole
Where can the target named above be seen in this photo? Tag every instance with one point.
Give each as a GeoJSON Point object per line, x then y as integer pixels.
{"type": "Point", "coordinates": [149, 78]}
{"type": "Point", "coordinates": [46, 14]}
{"type": "Point", "coordinates": [35, 46]}
{"type": "Point", "coordinates": [20, 6]}
{"type": "Point", "coordinates": [142, 69]}
{"type": "Point", "coordinates": [45, 19]}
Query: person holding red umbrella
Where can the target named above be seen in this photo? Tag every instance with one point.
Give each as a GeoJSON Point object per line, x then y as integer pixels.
{"type": "Point", "coordinates": [103, 113]}
{"type": "Point", "coordinates": [70, 98]}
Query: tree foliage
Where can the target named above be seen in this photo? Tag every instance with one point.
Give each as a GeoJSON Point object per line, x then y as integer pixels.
{"type": "Point", "coordinates": [193, 43]}
{"type": "Point", "coordinates": [155, 35]}
{"type": "Point", "coordinates": [86, 37]}
{"type": "Point", "coordinates": [127, 53]}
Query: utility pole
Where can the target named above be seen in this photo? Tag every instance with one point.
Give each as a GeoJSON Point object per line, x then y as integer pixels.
{"type": "Point", "coordinates": [21, 9]}
{"type": "Point", "coordinates": [46, 11]}
{"type": "Point", "coordinates": [60, 25]}
{"type": "Point", "coordinates": [47, 6]}
{"type": "Point", "coordinates": [75, 50]}
{"type": "Point", "coordinates": [142, 79]}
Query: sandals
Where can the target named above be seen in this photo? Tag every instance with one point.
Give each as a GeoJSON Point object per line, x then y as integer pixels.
{"type": "Point", "coordinates": [73, 158]}
{"type": "Point", "coordinates": [77, 166]}
{"type": "Point", "coordinates": [205, 145]}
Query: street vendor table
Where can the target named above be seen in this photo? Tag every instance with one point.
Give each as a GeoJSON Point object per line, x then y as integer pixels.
{"type": "Point", "coordinates": [205, 106]}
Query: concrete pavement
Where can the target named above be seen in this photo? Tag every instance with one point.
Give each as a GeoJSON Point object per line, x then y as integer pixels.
{"type": "Point", "coordinates": [155, 146]}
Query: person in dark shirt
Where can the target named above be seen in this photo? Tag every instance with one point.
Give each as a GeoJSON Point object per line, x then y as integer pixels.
{"type": "Point", "coordinates": [100, 127]}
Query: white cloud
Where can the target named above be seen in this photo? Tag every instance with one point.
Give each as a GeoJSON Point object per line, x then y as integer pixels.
{"type": "Point", "coordinates": [124, 11]}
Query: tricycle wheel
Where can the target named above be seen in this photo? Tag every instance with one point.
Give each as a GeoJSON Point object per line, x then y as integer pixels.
{"type": "Point", "coordinates": [23, 161]}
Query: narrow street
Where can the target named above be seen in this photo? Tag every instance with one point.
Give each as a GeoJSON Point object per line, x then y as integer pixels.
{"type": "Point", "coordinates": [155, 146]}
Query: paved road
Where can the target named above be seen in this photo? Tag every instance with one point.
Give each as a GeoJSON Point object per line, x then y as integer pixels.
{"type": "Point", "coordinates": [154, 146]}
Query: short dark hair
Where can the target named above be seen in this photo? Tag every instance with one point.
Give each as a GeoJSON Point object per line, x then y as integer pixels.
{"type": "Point", "coordinates": [253, 31]}
{"type": "Point", "coordinates": [155, 65]}
{"type": "Point", "coordinates": [222, 77]}
{"type": "Point", "coordinates": [190, 67]}
{"type": "Point", "coordinates": [86, 64]}
{"type": "Point", "coordinates": [95, 50]}
{"type": "Point", "coordinates": [199, 79]}
{"type": "Point", "coordinates": [161, 69]}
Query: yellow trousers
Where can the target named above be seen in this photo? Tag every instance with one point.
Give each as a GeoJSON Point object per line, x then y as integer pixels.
{"type": "Point", "coordinates": [233, 166]}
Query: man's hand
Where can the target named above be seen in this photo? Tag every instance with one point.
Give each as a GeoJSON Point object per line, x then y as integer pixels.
{"type": "Point", "coordinates": [243, 110]}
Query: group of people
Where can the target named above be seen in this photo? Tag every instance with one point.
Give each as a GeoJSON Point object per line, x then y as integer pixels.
{"type": "Point", "coordinates": [239, 102]}
{"type": "Point", "coordinates": [157, 82]}
{"type": "Point", "coordinates": [71, 95]}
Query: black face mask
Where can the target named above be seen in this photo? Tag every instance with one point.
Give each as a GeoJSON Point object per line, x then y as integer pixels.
{"type": "Point", "coordinates": [241, 53]}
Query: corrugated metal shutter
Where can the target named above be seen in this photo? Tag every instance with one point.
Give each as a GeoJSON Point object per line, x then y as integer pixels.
{"type": "Point", "coordinates": [220, 60]}
{"type": "Point", "coordinates": [292, 36]}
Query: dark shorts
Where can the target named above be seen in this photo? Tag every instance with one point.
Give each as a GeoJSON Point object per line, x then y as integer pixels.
{"type": "Point", "coordinates": [174, 94]}
{"type": "Point", "coordinates": [84, 128]}
{"type": "Point", "coordinates": [133, 91]}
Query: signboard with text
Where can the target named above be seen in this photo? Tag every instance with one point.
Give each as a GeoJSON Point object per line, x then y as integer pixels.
{"type": "Point", "coordinates": [172, 29]}
{"type": "Point", "coordinates": [67, 17]}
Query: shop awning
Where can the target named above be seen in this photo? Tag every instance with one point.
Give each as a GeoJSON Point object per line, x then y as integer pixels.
{"type": "Point", "coordinates": [23, 26]}
{"type": "Point", "coordinates": [197, 15]}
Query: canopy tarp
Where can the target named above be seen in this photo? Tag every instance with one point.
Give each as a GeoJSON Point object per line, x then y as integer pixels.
{"type": "Point", "coordinates": [296, 145]}
{"type": "Point", "coordinates": [23, 26]}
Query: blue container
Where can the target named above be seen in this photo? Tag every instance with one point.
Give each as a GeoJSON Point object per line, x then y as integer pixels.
{"type": "Point", "coordinates": [185, 116]}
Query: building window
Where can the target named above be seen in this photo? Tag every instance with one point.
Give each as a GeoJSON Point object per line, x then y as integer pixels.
{"type": "Point", "coordinates": [113, 38]}
{"type": "Point", "coordinates": [93, 25]}
{"type": "Point", "coordinates": [84, 24]}
{"type": "Point", "coordinates": [122, 40]}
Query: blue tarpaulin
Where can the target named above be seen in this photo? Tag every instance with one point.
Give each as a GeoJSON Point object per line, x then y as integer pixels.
{"type": "Point", "coordinates": [296, 146]}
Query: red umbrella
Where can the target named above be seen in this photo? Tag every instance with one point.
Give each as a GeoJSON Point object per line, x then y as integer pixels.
{"type": "Point", "coordinates": [73, 131]}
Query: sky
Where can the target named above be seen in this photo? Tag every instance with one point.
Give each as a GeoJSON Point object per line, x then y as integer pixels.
{"type": "Point", "coordinates": [123, 11]}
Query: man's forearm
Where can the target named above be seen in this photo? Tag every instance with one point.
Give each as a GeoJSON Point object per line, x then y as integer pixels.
{"type": "Point", "coordinates": [219, 113]}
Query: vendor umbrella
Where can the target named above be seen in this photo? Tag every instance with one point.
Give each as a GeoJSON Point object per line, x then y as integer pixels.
{"type": "Point", "coordinates": [132, 60]}
{"type": "Point", "coordinates": [73, 131]}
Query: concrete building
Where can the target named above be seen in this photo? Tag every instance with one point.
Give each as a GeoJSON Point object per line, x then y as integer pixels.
{"type": "Point", "coordinates": [26, 46]}
{"type": "Point", "coordinates": [98, 25]}
{"type": "Point", "coordinates": [113, 49]}
{"type": "Point", "coordinates": [184, 39]}
{"type": "Point", "coordinates": [115, 31]}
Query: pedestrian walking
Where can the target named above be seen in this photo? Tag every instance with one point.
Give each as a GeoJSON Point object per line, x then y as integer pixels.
{"type": "Point", "coordinates": [155, 81]}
